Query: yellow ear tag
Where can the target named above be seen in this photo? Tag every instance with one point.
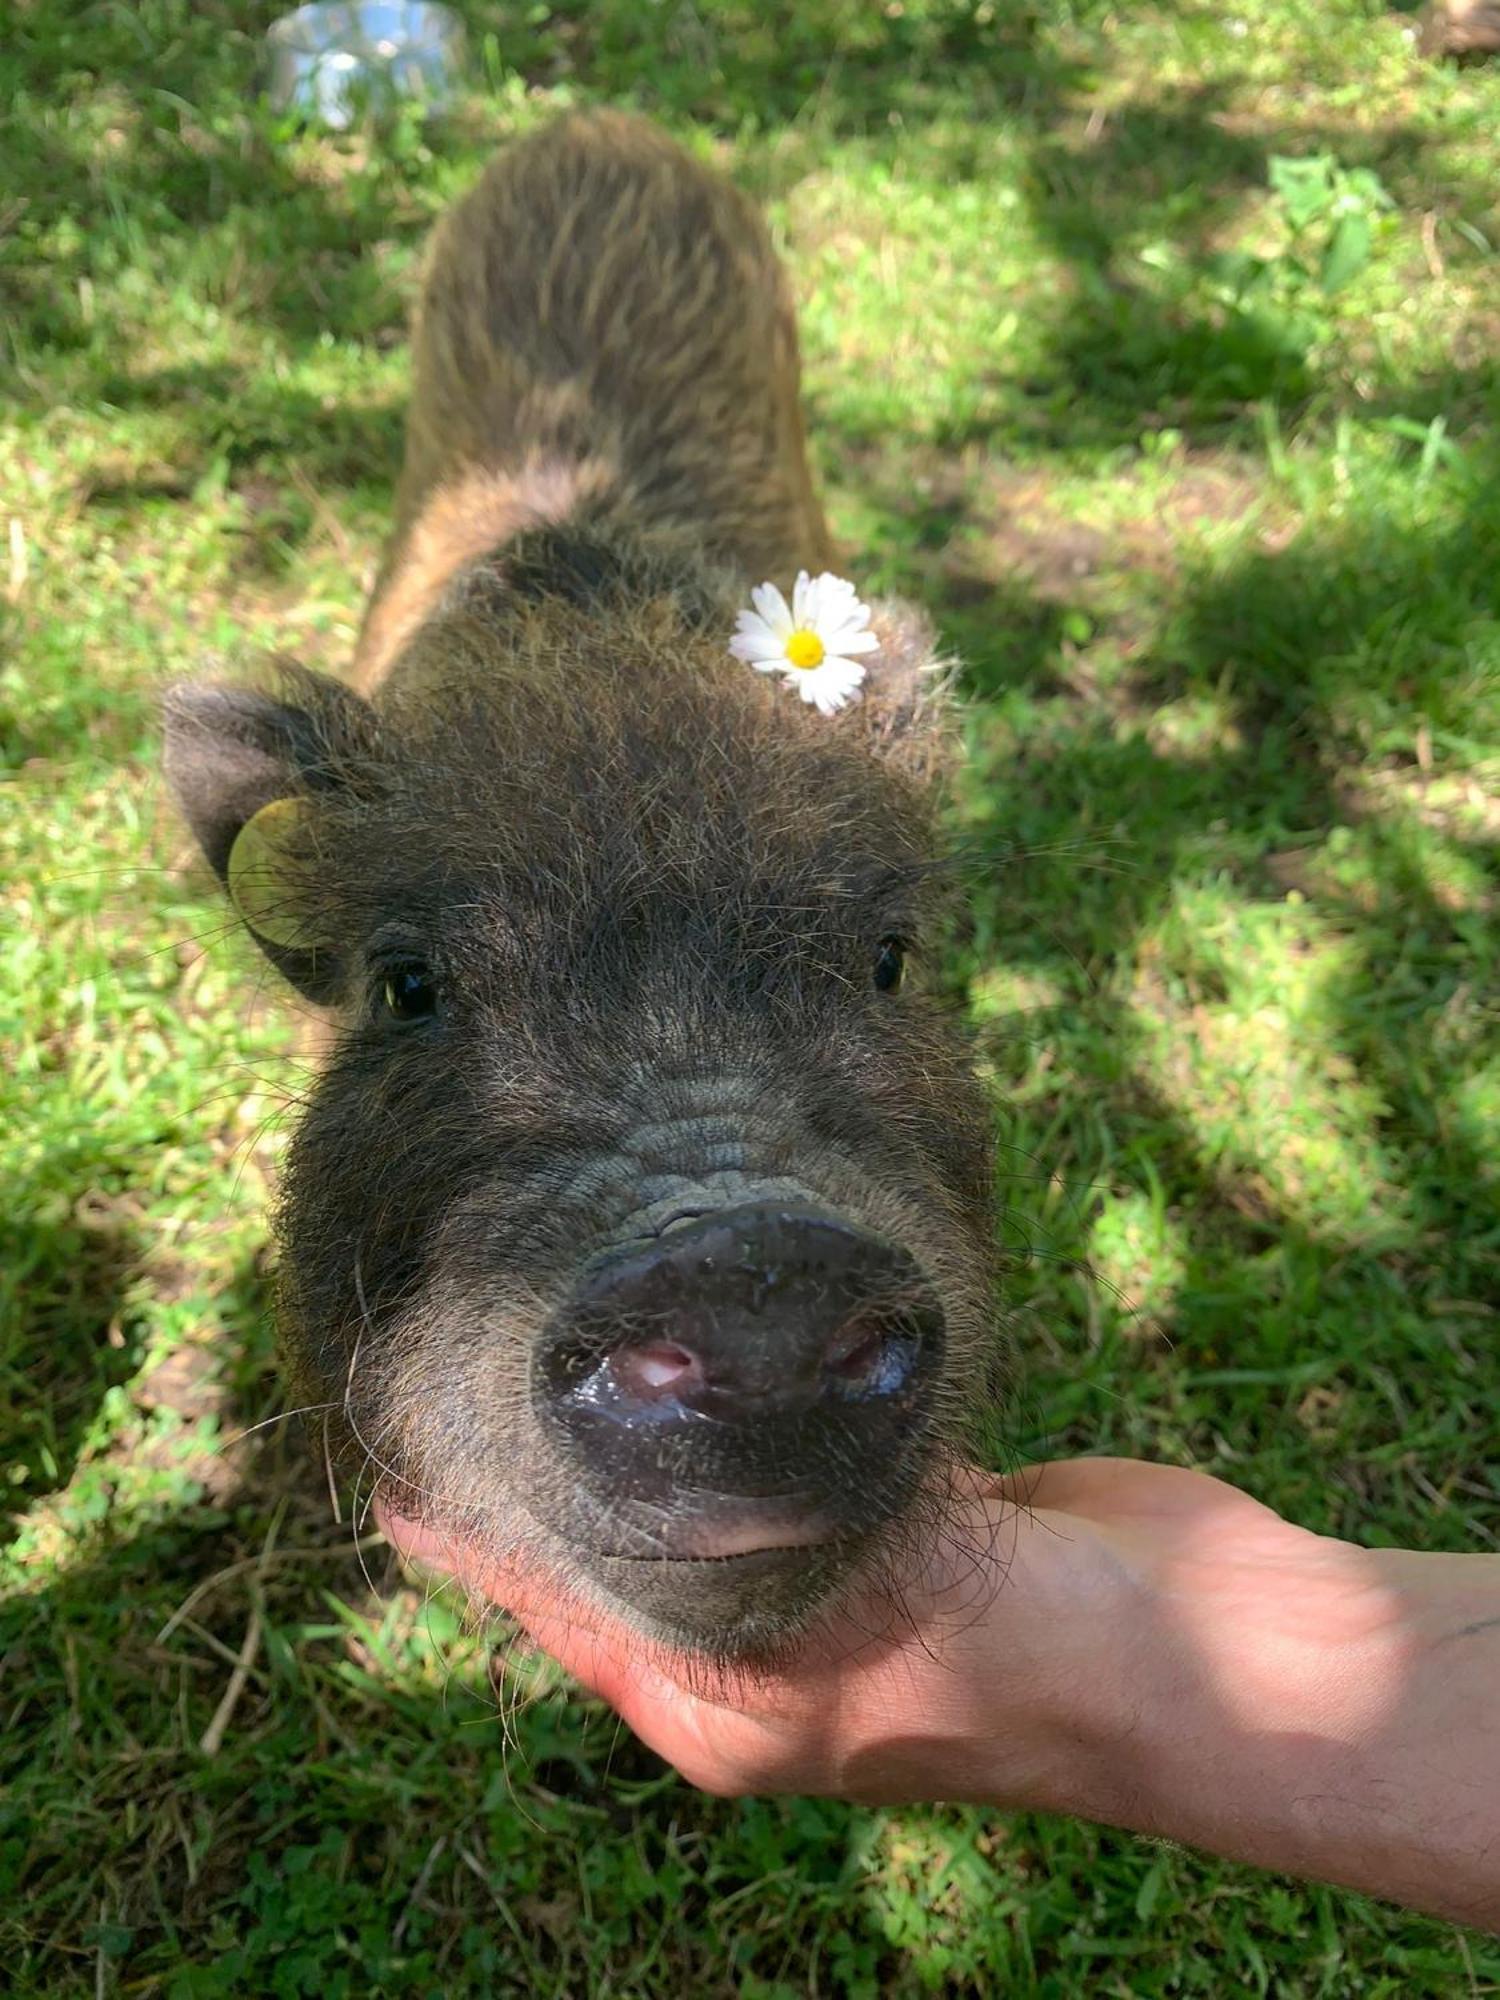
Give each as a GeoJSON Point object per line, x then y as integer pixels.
{"type": "Point", "coordinates": [262, 871]}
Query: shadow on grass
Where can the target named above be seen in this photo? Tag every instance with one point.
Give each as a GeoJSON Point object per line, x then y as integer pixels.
{"type": "Point", "coordinates": [286, 245]}
{"type": "Point", "coordinates": [352, 1820]}
{"type": "Point", "coordinates": [295, 432]}
{"type": "Point", "coordinates": [1327, 661]}
{"type": "Point", "coordinates": [70, 1338]}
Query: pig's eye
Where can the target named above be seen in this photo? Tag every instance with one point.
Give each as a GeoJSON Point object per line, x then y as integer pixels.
{"type": "Point", "coordinates": [890, 963]}
{"type": "Point", "coordinates": [410, 992]}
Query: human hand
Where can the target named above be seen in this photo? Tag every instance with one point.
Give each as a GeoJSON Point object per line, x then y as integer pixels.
{"type": "Point", "coordinates": [997, 1671]}
{"type": "Point", "coordinates": [1132, 1643]}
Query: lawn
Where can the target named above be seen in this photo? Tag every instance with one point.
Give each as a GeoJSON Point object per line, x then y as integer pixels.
{"type": "Point", "coordinates": [1156, 350]}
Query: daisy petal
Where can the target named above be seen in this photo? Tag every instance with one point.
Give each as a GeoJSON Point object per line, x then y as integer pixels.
{"type": "Point", "coordinates": [838, 601]}
{"type": "Point", "coordinates": [829, 700]}
{"type": "Point", "coordinates": [845, 608]}
{"type": "Point", "coordinates": [803, 601]}
{"type": "Point", "coordinates": [773, 609]}
{"type": "Point", "coordinates": [831, 685]}
{"type": "Point", "coordinates": [851, 639]}
{"type": "Point", "coordinates": [755, 642]}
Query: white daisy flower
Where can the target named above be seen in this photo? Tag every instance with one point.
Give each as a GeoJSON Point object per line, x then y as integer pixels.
{"type": "Point", "coordinates": [810, 642]}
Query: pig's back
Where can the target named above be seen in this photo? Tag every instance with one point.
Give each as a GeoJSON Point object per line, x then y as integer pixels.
{"type": "Point", "coordinates": [604, 325]}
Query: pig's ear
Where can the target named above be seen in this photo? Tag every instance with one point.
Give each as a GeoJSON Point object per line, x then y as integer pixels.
{"type": "Point", "coordinates": [248, 768]}
{"type": "Point", "coordinates": [904, 705]}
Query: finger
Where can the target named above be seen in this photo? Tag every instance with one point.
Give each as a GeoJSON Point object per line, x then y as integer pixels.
{"type": "Point", "coordinates": [717, 1748]}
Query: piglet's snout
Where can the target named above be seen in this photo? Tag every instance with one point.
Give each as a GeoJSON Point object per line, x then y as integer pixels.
{"type": "Point", "coordinates": [761, 1350]}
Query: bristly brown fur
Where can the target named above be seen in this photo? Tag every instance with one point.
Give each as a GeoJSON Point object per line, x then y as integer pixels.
{"type": "Point", "coordinates": [650, 884]}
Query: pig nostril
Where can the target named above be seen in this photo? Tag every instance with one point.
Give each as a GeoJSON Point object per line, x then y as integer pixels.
{"type": "Point", "coordinates": [854, 1353]}
{"type": "Point", "coordinates": [871, 1359]}
{"type": "Point", "coordinates": [648, 1374]}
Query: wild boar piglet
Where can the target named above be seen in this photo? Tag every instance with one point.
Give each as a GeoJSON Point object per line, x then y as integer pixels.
{"type": "Point", "coordinates": [637, 1228]}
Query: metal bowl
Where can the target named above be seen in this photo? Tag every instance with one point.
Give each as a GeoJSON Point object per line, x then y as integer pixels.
{"type": "Point", "coordinates": [330, 62]}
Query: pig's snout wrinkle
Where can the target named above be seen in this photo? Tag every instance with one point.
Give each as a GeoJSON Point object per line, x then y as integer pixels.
{"type": "Point", "coordinates": [762, 1357]}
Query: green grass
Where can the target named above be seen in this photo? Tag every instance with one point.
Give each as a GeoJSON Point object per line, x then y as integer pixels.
{"type": "Point", "coordinates": [1195, 457]}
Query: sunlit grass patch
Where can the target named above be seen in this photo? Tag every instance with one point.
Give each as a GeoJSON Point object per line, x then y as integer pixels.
{"type": "Point", "coordinates": [1138, 1251]}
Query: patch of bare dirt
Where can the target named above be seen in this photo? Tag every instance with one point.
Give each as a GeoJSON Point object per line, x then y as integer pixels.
{"type": "Point", "coordinates": [1030, 536]}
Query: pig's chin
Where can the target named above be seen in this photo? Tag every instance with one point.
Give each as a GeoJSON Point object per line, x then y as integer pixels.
{"type": "Point", "coordinates": [742, 1588]}
{"type": "Point", "coordinates": [709, 1530]}
{"type": "Point", "coordinates": [731, 1577]}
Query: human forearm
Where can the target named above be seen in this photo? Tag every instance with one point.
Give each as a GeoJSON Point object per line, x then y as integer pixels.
{"type": "Point", "coordinates": [1320, 1709]}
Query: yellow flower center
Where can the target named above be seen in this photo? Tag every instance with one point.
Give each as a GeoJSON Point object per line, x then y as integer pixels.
{"type": "Point", "coordinates": [804, 649]}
